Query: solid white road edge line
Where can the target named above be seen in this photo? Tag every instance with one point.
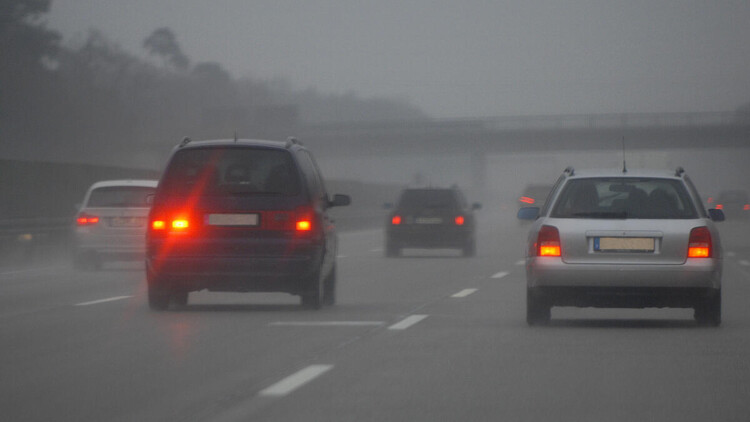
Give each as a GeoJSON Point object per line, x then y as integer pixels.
{"type": "Point", "coordinates": [501, 274]}
{"type": "Point", "coordinates": [110, 299]}
{"type": "Point", "coordinates": [407, 322]}
{"type": "Point", "coordinates": [295, 381]}
{"type": "Point", "coordinates": [464, 293]}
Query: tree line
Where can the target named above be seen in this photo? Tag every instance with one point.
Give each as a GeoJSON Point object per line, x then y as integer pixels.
{"type": "Point", "coordinates": [64, 102]}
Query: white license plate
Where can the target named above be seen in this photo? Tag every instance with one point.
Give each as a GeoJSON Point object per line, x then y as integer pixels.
{"type": "Point", "coordinates": [428, 220]}
{"type": "Point", "coordinates": [233, 219]}
{"type": "Point", "coordinates": [629, 244]}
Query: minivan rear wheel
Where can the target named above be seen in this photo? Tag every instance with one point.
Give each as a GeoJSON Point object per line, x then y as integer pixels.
{"type": "Point", "coordinates": [158, 298]}
{"type": "Point", "coordinates": [329, 288]}
{"type": "Point", "coordinates": [314, 298]}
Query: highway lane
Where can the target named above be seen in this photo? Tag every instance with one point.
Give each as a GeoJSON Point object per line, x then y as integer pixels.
{"type": "Point", "coordinates": [431, 336]}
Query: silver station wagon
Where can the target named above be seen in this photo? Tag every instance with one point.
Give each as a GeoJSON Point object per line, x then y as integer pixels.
{"type": "Point", "coordinates": [623, 239]}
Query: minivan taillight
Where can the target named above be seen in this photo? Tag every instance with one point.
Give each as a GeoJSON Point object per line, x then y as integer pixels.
{"type": "Point", "coordinates": [548, 241]}
{"type": "Point", "coordinates": [304, 219]}
{"type": "Point", "coordinates": [459, 220]}
{"type": "Point", "coordinates": [84, 219]}
{"type": "Point", "coordinates": [699, 245]}
{"type": "Point", "coordinates": [396, 220]}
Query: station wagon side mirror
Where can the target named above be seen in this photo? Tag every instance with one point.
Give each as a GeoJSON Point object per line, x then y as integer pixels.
{"type": "Point", "coordinates": [528, 213]}
{"type": "Point", "coordinates": [716, 214]}
{"type": "Point", "coordinates": [340, 200]}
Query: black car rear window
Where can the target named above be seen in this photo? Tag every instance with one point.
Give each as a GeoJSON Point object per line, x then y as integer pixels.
{"type": "Point", "coordinates": [427, 198]}
{"type": "Point", "coordinates": [621, 197]}
{"type": "Point", "coordinates": [120, 196]}
{"type": "Point", "coordinates": [232, 171]}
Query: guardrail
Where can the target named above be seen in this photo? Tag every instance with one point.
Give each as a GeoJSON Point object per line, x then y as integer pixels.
{"type": "Point", "coordinates": [27, 241]}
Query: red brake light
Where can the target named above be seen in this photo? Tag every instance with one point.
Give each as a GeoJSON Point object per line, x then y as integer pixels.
{"type": "Point", "coordinates": [180, 224]}
{"type": "Point", "coordinates": [548, 241]}
{"type": "Point", "coordinates": [526, 200]}
{"type": "Point", "coordinates": [304, 225]}
{"type": "Point", "coordinates": [719, 206]}
{"type": "Point", "coordinates": [699, 245]}
{"type": "Point", "coordinates": [158, 225]}
{"type": "Point", "coordinates": [746, 207]}
{"type": "Point", "coordinates": [459, 220]}
{"type": "Point", "coordinates": [396, 220]}
{"type": "Point", "coordinates": [86, 219]}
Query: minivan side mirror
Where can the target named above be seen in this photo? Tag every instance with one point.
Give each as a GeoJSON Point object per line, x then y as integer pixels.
{"type": "Point", "coordinates": [528, 213]}
{"type": "Point", "coordinates": [340, 200]}
{"type": "Point", "coordinates": [150, 199]}
{"type": "Point", "coordinates": [716, 214]}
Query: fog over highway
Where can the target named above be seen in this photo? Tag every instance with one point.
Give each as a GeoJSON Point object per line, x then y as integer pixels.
{"type": "Point", "coordinates": [429, 336]}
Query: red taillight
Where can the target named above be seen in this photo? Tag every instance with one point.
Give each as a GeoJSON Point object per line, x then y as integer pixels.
{"type": "Point", "coordinates": [699, 245]}
{"type": "Point", "coordinates": [180, 224]}
{"type": "Point", "coordinates": [84, 219]}
{"type": "Point", "coordinates": [719, 206]}
{"type": "Point", "coordinates": [158, 225]}
{"type": "Point", "coordinates": [396, 220]}
{"type": "Point", "coordinates": [460, 220]}
{"type": "Point", "coordinates": [304, 218]}
{"type": "Point", "coordinates": [548, 241]}
{"type": "Point", "coordinates": [746, 207]}
{"type": "Point", "coordinates": [526, 200]}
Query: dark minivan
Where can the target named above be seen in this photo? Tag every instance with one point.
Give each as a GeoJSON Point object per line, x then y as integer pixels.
{"type": "Point", "coordinates": [241, 216]}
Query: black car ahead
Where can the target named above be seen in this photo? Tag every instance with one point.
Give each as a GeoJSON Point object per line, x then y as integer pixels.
{"type": "Point", "coordinates": [431, 218]}
{"type": "Point", "coordinates": [241, 216]}
{"type": "Point", "coordinates": [735, 203]}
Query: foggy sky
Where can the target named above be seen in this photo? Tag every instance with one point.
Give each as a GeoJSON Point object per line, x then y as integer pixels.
{"type": "Point", "coordinates": [467, 58]}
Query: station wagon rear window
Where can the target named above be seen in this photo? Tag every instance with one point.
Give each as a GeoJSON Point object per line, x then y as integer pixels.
{"type": "Point", "coordinates": [232, 171]}
{"type": "Point", "coordinates": [120, 197]}
{"type": "Point", "coordinates": [624, 197]}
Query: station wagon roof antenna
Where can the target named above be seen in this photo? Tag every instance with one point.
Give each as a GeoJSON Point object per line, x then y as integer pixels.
{"type": "Point", "coordinates": [624, 168]}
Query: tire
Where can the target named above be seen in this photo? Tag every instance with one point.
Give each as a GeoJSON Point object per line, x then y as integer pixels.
{"type": "Point", "coordinates": [392, 250]}
{"type": "Point", "coordinates": [158, 298]}
{"type": "Point", "coordinates": [314, 298]}
{"type": "Point", "coordinates": [329, 288]}
{"type": "Point", "coordinates": [538, 310]}
{"type": "Point", "coordinates": [158, 295]}
{"type": "Point", "coordinates": [708, 311]}
{"type": "Point", "coordinates": [470, 248]}
{"type": "Point", "coordinates": [181, 298]}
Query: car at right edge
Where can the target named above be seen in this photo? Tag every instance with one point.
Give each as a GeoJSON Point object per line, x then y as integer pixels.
{"type": "Point", "coordinates": [623, 239]}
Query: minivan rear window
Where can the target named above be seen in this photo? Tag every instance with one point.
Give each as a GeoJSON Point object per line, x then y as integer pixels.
{"type": "Point", "coordinates": [621, 197]}
{"type": "Point", "coordinates": [120, 197]}
{"type": "Point", "coordinates": [232, 171]}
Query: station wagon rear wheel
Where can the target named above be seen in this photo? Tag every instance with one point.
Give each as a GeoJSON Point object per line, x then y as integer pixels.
{"type": "Point", "coordinates": [538, 310]}
{"type": "Point", "coordinates": [708, 311]}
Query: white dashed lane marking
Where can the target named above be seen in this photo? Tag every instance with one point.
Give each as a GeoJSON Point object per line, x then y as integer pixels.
{"type": "Point", "coordinates": [731, 254]}
{"type": "Point", "coordinates": [109, 299]}
{"type": "Point", "coordinates": [295, 381]}
{"type": "Point", "coordinates": [521, 262]}
{"type": "Point", "coordinates": [407, 322]}
{"type": "Point", "coordinates": [464, 293]}
{"type": "Point", "coordinates": [501, 274]}
{"type": "Point", "coordinates": [744, 262]}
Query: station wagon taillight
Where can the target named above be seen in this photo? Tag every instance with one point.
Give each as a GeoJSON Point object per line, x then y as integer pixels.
{"type": "Point", "coordinates": [699, 245]}
{"type": "Point", "coordinates": [459, 220]}
{"type": "Point", "coordinates": [548, 241]}
{"type": "Point", "coordinates": [396, 220]}
{"type": "Point", "coordinates": [84, 219]}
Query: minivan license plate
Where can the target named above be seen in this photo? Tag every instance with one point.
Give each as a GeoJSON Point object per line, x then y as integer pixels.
{"type": "Point", "coordinates": [233, 219]}
{"type": "Point", "coordinates": [624, 244]}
